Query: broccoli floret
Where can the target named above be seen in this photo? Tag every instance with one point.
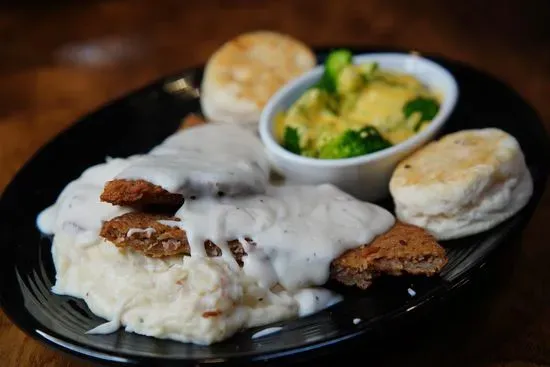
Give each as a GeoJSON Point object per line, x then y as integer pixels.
{"type": "Point", "coordinates": [349, 80]}
{"type": "Point", "coordinates": [332, 104]}
{"type": "Point", "coordinates": [368, 69]}
{"type": "Point", "coordinates": [427, 107]}
{"type": "Point", "coordinates": [335, 62]}
{"type": "Point", "coordinates": [353, 143]}
{"type": "Point", "coordinates": [291, 140]}
{"type": "Point", "coordinates": [312, 99]}
{"type": "Point", "coordinates": [348, 102]}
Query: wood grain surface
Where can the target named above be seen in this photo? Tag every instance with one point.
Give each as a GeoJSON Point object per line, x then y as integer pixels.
{"type": "Point", "coordinates": [61, 59]}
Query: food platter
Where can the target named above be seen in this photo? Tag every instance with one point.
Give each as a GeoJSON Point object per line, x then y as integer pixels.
{"type": "Point", "coordinates": [136, 123]}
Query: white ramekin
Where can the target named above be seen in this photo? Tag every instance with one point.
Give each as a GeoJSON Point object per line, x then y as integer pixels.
{"type": "Point", "coordinates": [366, 177]}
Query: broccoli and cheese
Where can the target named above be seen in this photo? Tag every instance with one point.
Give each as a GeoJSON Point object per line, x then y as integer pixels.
{"type": "Point", "coordinates": [355, 109]}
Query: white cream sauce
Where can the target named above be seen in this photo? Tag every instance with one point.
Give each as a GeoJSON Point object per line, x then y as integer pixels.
{"type": "Point", "coordinates": [148, 231]}
{"type": "Point", "coordinates": [210, 159]}
{"type": "Point", "coordinates": [296, 232]}
{"type": "Point", "coordinates": [78, 210]}
{"type": "Point", "coordinates": [311, 300]}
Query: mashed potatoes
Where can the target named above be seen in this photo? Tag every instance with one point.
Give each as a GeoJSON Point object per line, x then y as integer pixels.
{"type": "Point", "coordinates": [188, 299]}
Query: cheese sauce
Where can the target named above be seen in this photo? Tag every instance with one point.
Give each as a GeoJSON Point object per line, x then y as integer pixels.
{"type": "Point", "coordinates": [320, 123]}
{"type": "Point", "coordinates": [290, 234]}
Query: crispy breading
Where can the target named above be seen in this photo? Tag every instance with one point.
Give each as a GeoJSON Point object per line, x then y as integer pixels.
{"type": "Point", "coordinates": [138, 193]}
{"type": "Point", "coordinates": [192, 120]}
{"type": "Point", "coordinates": [404, 249]}
{"type": "Point", "coordinates": [163, 240]}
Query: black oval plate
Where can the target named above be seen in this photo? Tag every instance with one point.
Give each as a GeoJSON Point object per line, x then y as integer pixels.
{"type": "Point", "coordinates": [139, 121]}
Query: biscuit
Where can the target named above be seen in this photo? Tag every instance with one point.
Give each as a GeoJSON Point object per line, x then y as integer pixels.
{"type": "Point", "coordinates": [463, 184]}
{"type": "Point", "coordinates": [245, 72]}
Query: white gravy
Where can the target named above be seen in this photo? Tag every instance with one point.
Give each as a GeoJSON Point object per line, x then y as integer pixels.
{"type": "Point", "coordinates": [296, 231]}
{"type": "Point", "coordinates": [210, 159]}
{"type": "Point", "coordinates": [148, 231]}
{"type": "Point", "coordinates": [78, 210]}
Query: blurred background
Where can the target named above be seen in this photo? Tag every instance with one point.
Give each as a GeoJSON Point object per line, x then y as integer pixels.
{"type": "Point", "coordinates": [62, 59]}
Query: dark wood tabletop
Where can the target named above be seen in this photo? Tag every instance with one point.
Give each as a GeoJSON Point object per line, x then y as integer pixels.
{"type": "Point", "coordinates": [61, 59]}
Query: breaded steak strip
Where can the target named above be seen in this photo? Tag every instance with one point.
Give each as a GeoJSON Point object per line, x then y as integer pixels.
{"type": "Point", "coordinates": [138, 193]}
{"type": "Point", "coordinates": [161, 241]}
{"type": "Point", "coordinates": [192, 120]}
{"type": "Point", "coordinates": [404, 249]}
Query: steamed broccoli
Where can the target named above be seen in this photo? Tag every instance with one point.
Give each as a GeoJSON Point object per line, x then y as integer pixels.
{"type": "Point", "coordinates": [353, 143]}
{"type": "Point", "coordinates": [291, 140]}
{"type": "Point", "coordinates": [368, 70]}
{"type": "Point", "coordinates": [427, 107]}
{"type": "Point", "coordinates": [349, 80]}
{"type": "Point", "coordinates": [335, 62]}
{"type": "Point", "coordinates": [313, 101]}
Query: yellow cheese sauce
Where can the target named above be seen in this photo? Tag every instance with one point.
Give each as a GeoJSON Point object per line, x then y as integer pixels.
{"type": "Point", "coordinates": [397, 105]}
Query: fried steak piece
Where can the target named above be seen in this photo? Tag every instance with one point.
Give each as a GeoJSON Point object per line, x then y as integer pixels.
{"type": "Point", "coordinates": [138, 193]}
{"type": "Point", "coordinates": [192, 120]}
{"type": "Point", "coordinates": [163, 240]}
{"type": "Point", "coordinates": [404, 249]}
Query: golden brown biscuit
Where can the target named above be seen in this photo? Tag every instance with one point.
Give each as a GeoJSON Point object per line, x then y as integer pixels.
{"type": "Point", "coordinates": [245, 72]}
{"type": "Point", "coordinates": [464, 183]}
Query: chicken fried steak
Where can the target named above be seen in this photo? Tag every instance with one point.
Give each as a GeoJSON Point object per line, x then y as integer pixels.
{"type": "Point", "coordinates": [138, 193]}
{"type": "Point", "coordinates": [404, 249]}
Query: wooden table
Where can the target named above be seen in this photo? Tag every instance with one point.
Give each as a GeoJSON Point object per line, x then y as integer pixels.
{"type": "Point", "coordinates": [60, 60]}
